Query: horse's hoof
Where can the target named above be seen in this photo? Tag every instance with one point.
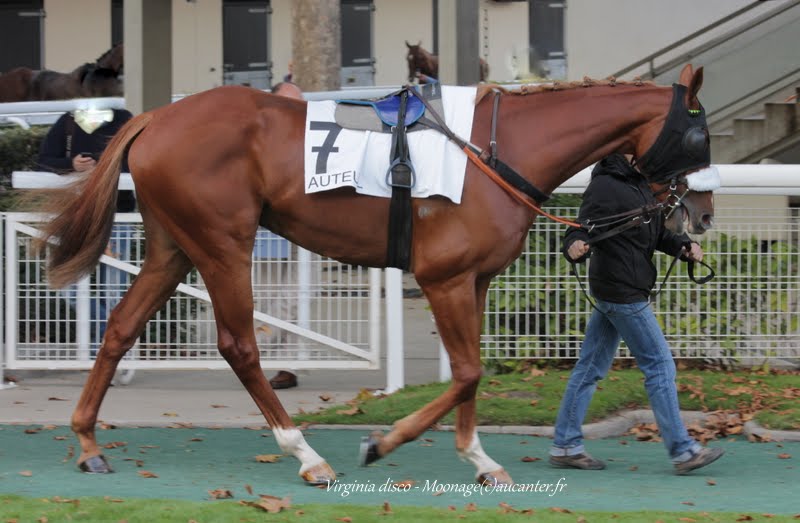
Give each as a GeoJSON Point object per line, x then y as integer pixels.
{"type": "Point", "coordinates": [95, 465]}
{"type": "Point", "coordinates": [369, 449]}
{"type": "Point", "coordinates": [317, 475]}
{"type": "Point", "coordinates": [492, 479]}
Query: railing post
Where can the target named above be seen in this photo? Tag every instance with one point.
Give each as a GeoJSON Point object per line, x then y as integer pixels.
{"type": "Point", "coordinates": [395, 371]}
{"type": "Point", "coordinates": [304, 299]}
{"type": "Point", "coordinates": [82, 318]}
{"type": "Point", "coordinates": [10, 271]}
{"type": "Point", "coordinates": [375, 315]}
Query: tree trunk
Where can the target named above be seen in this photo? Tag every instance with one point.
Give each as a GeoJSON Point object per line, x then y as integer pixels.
{"type": "Point", "coordinates": [316, 44]}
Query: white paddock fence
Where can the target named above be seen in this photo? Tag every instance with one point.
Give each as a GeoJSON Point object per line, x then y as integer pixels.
{"type": "Point", "coordinates": [535, 309]}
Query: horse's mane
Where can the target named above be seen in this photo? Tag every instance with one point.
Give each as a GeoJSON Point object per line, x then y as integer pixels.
{"type": "Point", "coordinates": [526, 89]}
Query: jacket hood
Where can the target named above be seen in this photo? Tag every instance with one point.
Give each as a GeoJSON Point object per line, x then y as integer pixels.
{"type": "Point", "coordinates": [615, 165]}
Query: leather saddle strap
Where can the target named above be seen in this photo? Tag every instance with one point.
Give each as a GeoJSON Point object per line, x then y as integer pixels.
{"type": "Point", "coordinates": [398, 253]}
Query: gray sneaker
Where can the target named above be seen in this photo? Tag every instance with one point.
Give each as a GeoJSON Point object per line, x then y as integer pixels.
{"type": "Point", "coordinates": [578, 461]}
{"type": "Point", "coordinates": [704, 457]}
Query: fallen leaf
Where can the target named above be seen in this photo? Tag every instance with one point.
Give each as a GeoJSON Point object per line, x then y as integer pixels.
{"type": "Point", "coordinates": [114, 444]}
{"type": "Point", "coordinates": [271, 504]}
{"type": "Point", "coordinates": [249, 489]}
{"type": "Point", "coordinates": [507, 509]}
{"type": "Point", "coordinates": [529, 459]}
{"type": "Point", "coordinates": [170, 414]}
{"type": "Point", "coordinates": [495, 382]}
{"type": "Point", "coordinates": [269, 458]}
{"type": "Point", "coordinates": [352, 411]}
{"type": "Point", "coordinates": [138, 462]}
{"type": "Point", "coordinates": [471, 507]}
{"type": "Point", "coordinates": [107, 426]}
{"type": "Point", "coordinates": [633, 468]}
{"type": "Point", "coordinates": [784, 456]}
{"type": "Point", "coordinates": [745, 517]}
{"type": "Point", "coordinates": [220, 493]}
{"type": "Point", "coordinates": [70, 453]}
{"type": "Point", "coordinates": [439, 492]}
{"type": "Point", "coordinates": [54, 398]}
{"type": "Point", "coordinates": [387, 509]}
{"type": "Point", "coordinates": [213, 406]}
{"type": "Point", "coordinates": [711, 482]}
{"type": "Point", "coordinates": [405, 484]}
{"type": "Point", "coordinates": [345, 519]}
{"type": "Point", "coordinates": [32, 431]}
{"type": "Point", "coordinates": [26, 473]}
{"type": "Point", "coordinates": [324, 397]}
{"type": "Point", "coordinates": [59, 438]}
{"type": "Point", "coordinates": [690, 503]}
{"type": "Point", "coordinates": [561, 510]}
{"type": "Point", "coordinates": [147, 474]}
{"type": "Point", "coordinates": [196, 439]}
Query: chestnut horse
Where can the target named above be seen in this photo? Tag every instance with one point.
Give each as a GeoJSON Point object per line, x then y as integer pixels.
{"type": "Point", "coordinates": [422, 61]}
{"type": "Point", "coordinates": [213, 167]}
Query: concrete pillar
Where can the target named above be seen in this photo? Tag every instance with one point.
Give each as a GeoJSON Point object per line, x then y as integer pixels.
{"type": "Point", "coordinates": [148, 54]}
{"type": "Point", "coordinates": [459, 42]}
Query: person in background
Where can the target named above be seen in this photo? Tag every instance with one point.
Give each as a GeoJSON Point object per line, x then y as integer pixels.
{"type": "Point", "coordinates": [621, 277]}
{"type": "Point", "coordinates": [284, 272]}
{"type": "Point", "coordinates": [75, 143]}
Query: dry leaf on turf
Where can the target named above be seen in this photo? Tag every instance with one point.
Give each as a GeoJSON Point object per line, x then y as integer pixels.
{"type": "Point", "coordinates": [147, 474]}
{"type": "Point", "coordinates": [271, 504]}
{"type": "Point", "coordinates": [220, 493]}
{"type": "Point", "coordinates": [269, 458]}
{"type": "Point", "coordinates": [26, 473]}
{"type": "Point", "coordinates": [352, 411]}
{"type": "Point", "coordinates": [529, 459]}
{"type": "Point", "coordinates": [784, 456]}
{"type": "Point", "coordinates": [249, 489]}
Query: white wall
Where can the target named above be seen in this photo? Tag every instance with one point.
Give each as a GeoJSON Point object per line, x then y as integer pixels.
{"type": "Point", "coordinates": [394, 23]}
{"type": "Point", "coordinates": [506, 25]}
{"type": "Point", "coordinates": [196, 45]}
{"type": "Point", "coordinates": [605, 36]}
{"type": "Point", "coordinates": [75, 32]}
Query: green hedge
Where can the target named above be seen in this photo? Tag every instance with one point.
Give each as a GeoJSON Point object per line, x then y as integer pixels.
{"type": "Point", "coordinates": [18, 151]}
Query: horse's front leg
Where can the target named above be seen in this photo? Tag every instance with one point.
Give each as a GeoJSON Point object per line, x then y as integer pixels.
{"type": "Point", "coordinates": [457, 309]}
{"type": "Point", "coordinates": [468, 444]}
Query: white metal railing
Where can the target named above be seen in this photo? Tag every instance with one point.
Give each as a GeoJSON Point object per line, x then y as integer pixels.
{"type": "Point", "coordinates": [750, 310]}
{"type": "Point", "coordinates": [311, 312]}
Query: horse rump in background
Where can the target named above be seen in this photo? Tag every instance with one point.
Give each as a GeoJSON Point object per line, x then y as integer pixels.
{"type": "Point", "coordinates": [235, 155]}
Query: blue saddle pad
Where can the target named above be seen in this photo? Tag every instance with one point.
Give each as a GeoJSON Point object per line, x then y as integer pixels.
{"type": "Point", "coordinates": [387, 108]}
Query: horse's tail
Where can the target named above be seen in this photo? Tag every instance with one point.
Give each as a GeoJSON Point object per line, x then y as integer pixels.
{"type": "Point", "coordinates": [84, 211]}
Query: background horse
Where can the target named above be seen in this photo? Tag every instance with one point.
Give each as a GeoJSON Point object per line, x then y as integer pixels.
{"type": "Point", "coordinates": [422, 61]}
{"type": "Point", "coordinates": [235, 157]}
{"type": "Point", "coordinates": [98, 79]}
{"type": "Point", "coordinates": [15, 85]}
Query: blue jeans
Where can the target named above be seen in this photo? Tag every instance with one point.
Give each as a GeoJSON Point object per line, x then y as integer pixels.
{"type": "Point", "coordinates": [637, 325]}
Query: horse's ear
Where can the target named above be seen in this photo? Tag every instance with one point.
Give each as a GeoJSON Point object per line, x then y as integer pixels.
{"type": "Point", "coordinates": [686, 75]}
{"type": "Point", "coordinates": [408, 45]}
{"type": "Point", "coordinates": [695, 83]}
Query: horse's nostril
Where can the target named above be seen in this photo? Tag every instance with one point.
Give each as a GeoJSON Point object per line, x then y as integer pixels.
{"type": "Point", "coordinates": [707, 221]}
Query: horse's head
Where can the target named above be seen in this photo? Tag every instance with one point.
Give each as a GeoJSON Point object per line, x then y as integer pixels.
{"type": "Point", "coordinates": [690, 199]}
{"type": "Point", "coordinates": [677, 162]}
{"type": "Point", "coordinates": [420, 60]}
{"type": "Point", "coordinates": [112, 59]}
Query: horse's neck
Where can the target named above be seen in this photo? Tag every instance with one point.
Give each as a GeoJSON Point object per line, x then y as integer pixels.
{"type": "Point", "coordinates": [560, 133]}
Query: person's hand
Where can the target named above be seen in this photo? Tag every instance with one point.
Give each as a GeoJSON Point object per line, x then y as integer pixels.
{"type": "Point", "coordinates": [695, 253]}
{"type": "Point", "coordinates": [577, 250]}
{"type": "Point", "coordinates": [83, 163]}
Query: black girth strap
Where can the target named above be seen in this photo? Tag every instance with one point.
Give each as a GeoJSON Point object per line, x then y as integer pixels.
{"type": "Point", "coordinates": [400, 177]}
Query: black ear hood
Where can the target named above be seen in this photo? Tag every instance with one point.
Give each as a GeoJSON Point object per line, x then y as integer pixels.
{"type": "Point", "coordinates": [683, 144]}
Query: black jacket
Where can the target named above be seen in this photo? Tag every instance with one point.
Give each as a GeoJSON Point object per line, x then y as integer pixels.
{"type": "Point", "coordinates": [53, 155]}
{"type": "Point", "coordinates": [622, 269]}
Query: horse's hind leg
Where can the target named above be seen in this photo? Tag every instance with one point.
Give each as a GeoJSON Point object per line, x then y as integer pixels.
{"type": "Point", "coordinates": [457, 306]}
{"type": "Point", "coordinates": [164, 267]}
{"type": "Point", "coordinates": [228, 281]}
